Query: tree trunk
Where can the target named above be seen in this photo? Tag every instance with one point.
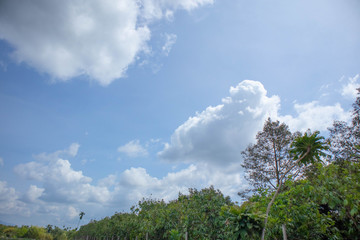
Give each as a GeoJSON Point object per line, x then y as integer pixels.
{"type": "Point", "coordinates": [268, 210]}
{"type": "Point", "coordinates": [277, 192]}
{"type": "Point", "coordinates": [284, 231]}
{"type": "Point", "coordinates": [276, 165]}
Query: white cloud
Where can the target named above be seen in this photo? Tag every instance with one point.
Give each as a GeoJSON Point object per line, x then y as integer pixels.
{"type": "Point", "coordinates": [219, 134]}
{"type": "Point", "coordinates": [1, 161]}
{"type": "Point", "coordinates": [169, 15]}
{"type": "Point", "coordinates": [71, 151]}
{"type": "Point", "coordinates": [61, 182]}
{"type": "Point", "coordinates": [34, 193]}
{"type": "Point", "coordinates": [6, 192]}
{"type": "Point", "coordinates": [170, 40]}
{"type": "Point", "coordinates": [108, 181]}
{"type": "Point", "coordinates": [64, 190]}
{"type": "Point", "coordinates": [315, 116]}
{"type": "Point", "coordinates": [9, 201]}
{"type": "Point", "coordinates": [155, 9]}
{"type": "Point", "coordinates": [349, 90]}
{"type": "Point", "coordinates": [99, 39]}
{"type": "Point", "coordinates": [133, 149]}
{"type": "Point", "coordinates": [136, 183]}
{"type": "Point", "coordinates": [72, 212]}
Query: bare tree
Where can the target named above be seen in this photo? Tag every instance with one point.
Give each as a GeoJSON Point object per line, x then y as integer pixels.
{"type": "Point", "coordinates": [345, 138]}
{"type": "Point", "coordinates": [268, 159]}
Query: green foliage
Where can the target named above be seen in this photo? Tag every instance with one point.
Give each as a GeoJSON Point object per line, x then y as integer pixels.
{"type": "Point", "coordinates": [57, 233]}
{"type": "Point", "coordinates": [174, 235]}
{"type": "Point", "coordinates": [305, 149]}
{"type": "Point", "coordinates": [340, 198]}
{"type": "Point", "coordinates": [243, 222]}
{"type": "Point", "coordinates": [13, 231]}
{"type": "Point", "coordinates": [197, 214]}
{"type": "Point", "coordinates": [21, 231]}
{"type": "Point", "coordinates": [35, 232]}
{"type": "Point", "coordinates": [322, 206]}
{"type": "Point", "coordinates": [10, 232]}
{"type": "Point", "coordinates": [310, 147]}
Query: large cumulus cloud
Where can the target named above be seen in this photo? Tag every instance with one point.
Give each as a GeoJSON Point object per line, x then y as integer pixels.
{"type": "Point", "coordinates": [218, 134]}
{"type": "Point", "coordinates": [69, 38]}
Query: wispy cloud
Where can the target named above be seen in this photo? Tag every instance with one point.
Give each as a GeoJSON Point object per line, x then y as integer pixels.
{"type": "Point", "coordinates": [71, 151]}
{"type": "Point", "coordinates": [170, 40]}
{"type": "Point", "coordinates": [3, 66]}
{"type": "Point", "coordinates": [133, 149]}
{"type": "Point", "coordinates": [349, 89]}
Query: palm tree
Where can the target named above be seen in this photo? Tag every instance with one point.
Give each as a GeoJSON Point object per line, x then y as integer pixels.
{"type": "Point", "coordinates": [81, 214]}
{"type": "Point", "coordinates": [305, 149]}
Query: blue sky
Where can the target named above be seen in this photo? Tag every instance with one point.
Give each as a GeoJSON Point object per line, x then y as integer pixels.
{"type": "Point", "coordinates": [103, 103]}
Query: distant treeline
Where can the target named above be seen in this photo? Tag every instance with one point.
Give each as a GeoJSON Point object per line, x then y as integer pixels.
{"type": "Point", "coordinates": [34, 232]}
{"type": "Point", "coordinates": [198, 214]}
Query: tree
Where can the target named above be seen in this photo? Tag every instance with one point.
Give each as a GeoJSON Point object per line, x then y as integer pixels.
{"type": "Point", "coordinates": [305, 150]}
{"type": "Point", "coordinates": [39, 233]}
{"type": "Point", "coordinates": [324, 205]}
{"type": "Point", "coordinates": [344, 138]}
{"type": "Point", "coordinates": [243, 222]}
{"type": "Point", "coordinates": [81, 214]}
{"type": "Point", "coordinates": [268, 159]}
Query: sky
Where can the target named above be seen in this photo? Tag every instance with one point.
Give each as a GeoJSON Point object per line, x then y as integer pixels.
{"type": "Point", "coordinates": [106, 102]}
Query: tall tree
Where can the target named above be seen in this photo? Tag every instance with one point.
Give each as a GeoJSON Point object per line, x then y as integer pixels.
{"type": "Point", "coordinates": [345, 138]}
{"type": "Point", "coordinates": [81, 214]}
{"type": "Point", "coordinates": [305, 150]}
{"type": "Point", "coordinates": [268, 159]}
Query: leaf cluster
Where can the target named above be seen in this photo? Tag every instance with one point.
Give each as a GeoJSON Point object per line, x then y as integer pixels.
{"type": "Point", "coordinates": [309, 148]}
